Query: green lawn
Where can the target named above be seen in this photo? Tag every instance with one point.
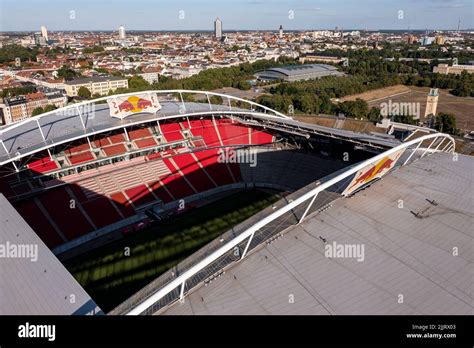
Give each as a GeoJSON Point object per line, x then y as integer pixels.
{"type": "Point", "coordinates": [110, 277]}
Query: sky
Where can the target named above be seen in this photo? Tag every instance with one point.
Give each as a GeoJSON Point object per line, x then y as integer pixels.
{"type": "Point", "coordinates": [29, 15]}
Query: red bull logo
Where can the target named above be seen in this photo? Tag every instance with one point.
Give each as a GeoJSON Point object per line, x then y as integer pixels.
{"type": "Point", "coordinates": [373, 172]}
{"type": "Point", "coordinates": [122, 107]}
{"type": "Point", "coordinates": [376, 170]}
{"type": "Point", "coordinates": [134, 104]}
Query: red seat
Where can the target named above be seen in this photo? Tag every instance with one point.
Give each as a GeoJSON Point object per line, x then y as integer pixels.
{"type": "Point", "coordinates": [70, 220]}
{"type": "Point", "coordinates": [122, 203]}
{"type": "Point", "coordinates": [144, 143]}
{"type": "Point", "coordinates": [38, 222]}
{"type": "Point", "coordinates": [260, 137]}
{"type": "Point", "coordinates": [43, 165]}
{"type": "Point", "coordinates": [233, 134]}
{"type": "Point", "coordinates": [171, 131]}
{"type": "Point", "coordinates": [160, 192]}
{"type": "Point", "coordinates": [205, 129]}
{"type": "Point", "coordinates": [218, 171]}
{"type": "Point", "coordinates": [139, 133]}
{"type": "Point", "coordinates": [77, 148]}
{"type": "Point", "coordinates": [101, 212]}
{"type": "Point", "coordinates": [81, 157]}
{"type": "Point", "coordinates": [193, 172]}
{"type": "Point", "coordinates": [115, 150]}
{"type": "Point", "coordinates": [139, 195]}
{"type": "Point", "coordinates": [178, 187]}
{"type": "Point", "coordinates": [117, 138]}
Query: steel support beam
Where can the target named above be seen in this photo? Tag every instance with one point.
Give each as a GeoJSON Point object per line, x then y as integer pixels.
{"type": "Point", "coordinates": [423, 155]}
{"type": "Point", "coordinates": [247, 246]}
{"type": "Point", "coordinates": [308, 208]}
{"type": "Point", "coordinates": [409, 157]}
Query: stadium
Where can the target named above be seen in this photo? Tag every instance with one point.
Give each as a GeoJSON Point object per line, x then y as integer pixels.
{"type": "Point", "coordinates": [146, 203]}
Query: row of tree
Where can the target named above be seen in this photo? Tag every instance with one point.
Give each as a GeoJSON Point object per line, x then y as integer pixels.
{"type": "Point", "coordinates": [9, 53]}
{"type": "Point", "coordinates": [40, 110]}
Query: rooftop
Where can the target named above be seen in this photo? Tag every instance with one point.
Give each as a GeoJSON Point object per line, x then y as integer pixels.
{"type": "Point", "coordinates": [35, 286]}
{"type": "Point", "coordinates": [94, 79]}
{"type": "Point", "coordinates": [404, 254]}
{"type": "Point", "coordinates": [296, 70]}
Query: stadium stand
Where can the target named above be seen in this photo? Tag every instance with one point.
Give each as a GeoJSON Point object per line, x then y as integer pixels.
{"type": "Point", "coordinates": [114, 150]}
{"type": "Point", "coordinates": [43, 165]}
{"type": "Point", "coordinates": [106, 194]}
{"type": "Point", "coordinates": [171, 131]}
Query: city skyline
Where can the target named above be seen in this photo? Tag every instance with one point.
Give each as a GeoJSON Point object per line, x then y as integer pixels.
{"type": "Point", "coordinates": [186, 15]}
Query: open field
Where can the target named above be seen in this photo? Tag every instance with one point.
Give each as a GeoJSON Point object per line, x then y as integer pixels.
{"type": "Point", "coordinates": [110, 277]}
{"type": "Point", "coordinates": [358, 126]}
{"type": "Point", "coordinates": [378, 93]}
{"type": "Point", "coordinates": [461, 107]}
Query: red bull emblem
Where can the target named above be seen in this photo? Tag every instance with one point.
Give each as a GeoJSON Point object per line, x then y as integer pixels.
{"type": "Point", "coordinates": [376, 170]}
{"type": "Point", "coordinates": [121, 107]}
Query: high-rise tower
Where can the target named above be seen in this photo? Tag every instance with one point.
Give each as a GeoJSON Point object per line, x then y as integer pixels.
{"type": "Point", "coordinates": [218, 28]}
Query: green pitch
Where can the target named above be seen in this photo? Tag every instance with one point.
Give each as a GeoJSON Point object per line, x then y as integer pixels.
{"type": "Point", "coordinates": [110, 276]}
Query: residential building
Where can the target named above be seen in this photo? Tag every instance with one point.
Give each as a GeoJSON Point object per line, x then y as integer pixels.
{"type": "Point", "coordinates": [454, 69]}
{"type": "Point", "coordinates": [96, 85]}
{"type": "Point", "coordinates": [21, 107]}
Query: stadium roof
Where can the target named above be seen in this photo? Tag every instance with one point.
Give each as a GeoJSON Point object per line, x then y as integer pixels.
{"type": "Point", "coordinates": [60, 126]}
{"type": "Point", "coordinates": [409, 251]}
{"type": "Point", "coordinates": [68, 124]}
{"type": "Point", "coordinates": [299, 72]}
{"type": "Point", "coordinates": [34, 285]}
{"type": "Point", "coordinates": [296, 70]}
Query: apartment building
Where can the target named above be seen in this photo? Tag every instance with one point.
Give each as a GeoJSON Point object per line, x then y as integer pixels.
{"type": "Point", "coordinates": [96, 85]}
{"type": "Point", "coordinates": [21, 107]}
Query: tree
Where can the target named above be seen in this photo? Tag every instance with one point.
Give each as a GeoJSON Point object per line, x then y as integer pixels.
{"type": "Point", "coordinates": [358, 108]}
{"type": "Point", "coordinates": [93, 49]}
{"type": "Point", "coordinates": [216, 99]}
{"type": "Point", "coordinates": [242, 85]}
{"type": "Point", "coordinates": [37, 111]}
{"type": "Point", "coordinates": [67, 73]}
{"type": "Point", "coordinates": [407, 119]}
{"type": "Point", "coordinates": [84, 92]}
{"type": "Point", "coordinates": [9, 53]}
{"type": "Point", "coordinates": [446, 123]}
{"type": "Point", "coordinates": [374, 114]}
{"type": "Point", "coordinates": [138, 82]}
{"type": "Point", "coordinates": [465, 86]}
{"type": "Point", "coordinates": [49, 107]}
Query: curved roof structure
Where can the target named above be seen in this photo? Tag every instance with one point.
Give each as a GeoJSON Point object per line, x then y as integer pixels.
{"type": "Point", "coordinates": [93, 117]}
{"type": "Point", "coordinates": [403, 254]}
{"type": "Point", "coordinates": [299, 72]}
{"type": "Point", "coordinates": [217, 258]}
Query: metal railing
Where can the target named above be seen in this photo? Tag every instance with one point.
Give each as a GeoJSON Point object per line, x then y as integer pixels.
{"type": "Point", "coordinates": [34, 124]}
{"type": "Point", "coordinates": [168, 91]}
{"type": "Point", "coordinates": [194, 272]}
